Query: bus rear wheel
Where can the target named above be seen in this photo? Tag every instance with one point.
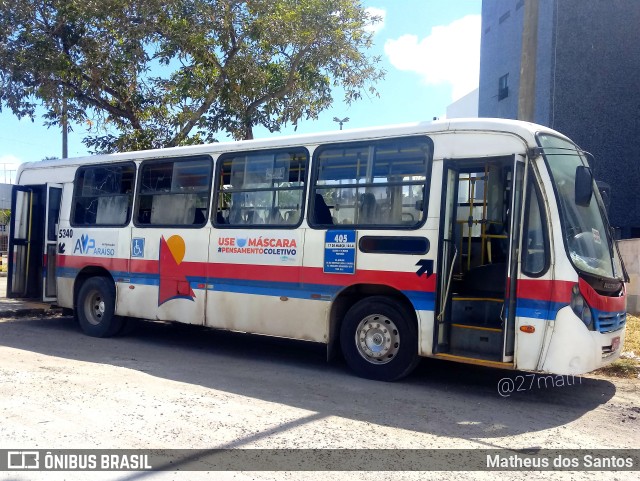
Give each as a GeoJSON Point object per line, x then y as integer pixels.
{"type": "Point", "coordinates": [379, 339]}
{"type": "Point", "coordinates": [95, 307]}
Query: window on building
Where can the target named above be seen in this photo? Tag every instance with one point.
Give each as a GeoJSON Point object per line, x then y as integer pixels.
{"type": "Point", "coordinates": [261, 188]}
{"type": "Point", "coordinates": [103, 195]}
{"type": "Point", "coordinates": [503, 87]}
{"type": "Point", "coordinates": [376, 183]}
{"type": "Point", "coordinates": [174, 192]}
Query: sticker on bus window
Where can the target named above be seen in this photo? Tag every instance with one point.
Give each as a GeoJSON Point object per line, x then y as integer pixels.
{"type": "Point", "coordinates": [340, 252]}
{"type": "Point", "coordinates": [596, 236]}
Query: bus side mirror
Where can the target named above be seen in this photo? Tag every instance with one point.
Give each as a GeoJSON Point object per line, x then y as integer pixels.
{"type": "Point", "coordinates": [584, 186]}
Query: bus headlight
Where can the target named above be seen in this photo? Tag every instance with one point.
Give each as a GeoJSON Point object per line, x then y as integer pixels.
{"type": "Point", "coordinates": [580, 308]}
{"type": "Point", "coordinates": [587, 317]}
{"type": "Point", "coordinates": [577, 301]}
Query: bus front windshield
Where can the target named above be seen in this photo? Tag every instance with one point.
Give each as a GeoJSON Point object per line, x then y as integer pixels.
{"type": "Point", "coordinates": [585, 229]}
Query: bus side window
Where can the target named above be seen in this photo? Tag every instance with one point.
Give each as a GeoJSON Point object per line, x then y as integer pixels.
{"type": "Point", "coordinates": [372, 183]}
{"type": "Point", "coordinates": [103, 195]}
{"type": "Point", "coordinates": [261, 188]}
{"type": "Point", "coordinates": [175, 192]}
{"type": "Point", "coordinates": [535, 248]}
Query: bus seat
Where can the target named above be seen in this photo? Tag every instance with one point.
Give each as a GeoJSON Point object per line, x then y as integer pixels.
{"type": "Point", "coordinates": [275, 217]}
{"type": "Point", "coordinates": [112, 210]}
{"type": "Point", "coordinates": [489, 280]}
{"type": "Point", "coordinates": [199, 217]}
{"type": "Point", "coordinates": [173, 209]}
{"type": "Point", "coordinates": [253, 217]}
{"type": "Point", "coordinates": [220, 218]}
{"type": "Point", "coordinates": [321, 212]}
{"type": "Point", "coordinates": [368, 209]}
{"type": "Point", "coordinates": [292, 217]}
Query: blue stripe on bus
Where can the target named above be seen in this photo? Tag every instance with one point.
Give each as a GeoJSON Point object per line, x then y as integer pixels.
{"type": "Point", "coordinates": [538, 309]}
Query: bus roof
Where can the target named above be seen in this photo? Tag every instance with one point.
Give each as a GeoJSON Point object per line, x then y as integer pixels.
{"type": "Point", "coordinates": [523, 129]}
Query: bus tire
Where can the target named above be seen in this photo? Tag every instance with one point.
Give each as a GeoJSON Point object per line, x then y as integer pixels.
{"type": "Point", "coordinates": [96, 308]}
{"type": "Point", "coordinates": [379, 339]}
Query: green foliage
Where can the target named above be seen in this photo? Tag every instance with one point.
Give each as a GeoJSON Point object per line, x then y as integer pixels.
{"type": "Point", "coordinates": [5, 216]}
{"type": "Point", "coordinates": [150, 73]}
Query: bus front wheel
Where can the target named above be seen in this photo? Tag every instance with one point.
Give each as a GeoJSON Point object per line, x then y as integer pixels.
{"type": "Point", "coordinates": [379, 339]}
{"type": "Point", "coordinates": [96, 308]}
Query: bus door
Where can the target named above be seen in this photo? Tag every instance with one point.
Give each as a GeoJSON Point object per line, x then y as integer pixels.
{"type": "Point", "coordinates": [447, 258]}
{"type": "Point", "coordinates": [20, 258]}
{"type": "Point", "coordinates": [26, 241]}
{"type": "Point", "coordinates": [536, 287]}
{"type": "Point", "coordinates": [475, 312]}
{"type": "Point", "coordinates": [52, 214]}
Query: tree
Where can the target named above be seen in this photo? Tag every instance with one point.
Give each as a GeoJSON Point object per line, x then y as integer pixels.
{"type": "Point", "coordinates": [151, 73]}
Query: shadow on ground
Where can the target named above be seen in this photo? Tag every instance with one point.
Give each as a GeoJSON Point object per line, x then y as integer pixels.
{"type": "Point", "coordinates": [440, 398]}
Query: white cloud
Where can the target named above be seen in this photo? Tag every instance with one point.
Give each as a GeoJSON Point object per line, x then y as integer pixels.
{"type": "Point", "coordinates": [449, 55]}
{"type": "Point", "coordinates": [376, 12]}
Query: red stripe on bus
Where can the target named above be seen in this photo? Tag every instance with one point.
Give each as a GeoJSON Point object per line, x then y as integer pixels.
{"type": "Point", "coordinates": [545, 290]}
{"type": "Point", "coordinates": [109, 263]}
{"type": "Point", "coordinates": [294, 274]}
{"type": "Point", "coordinates": [602, 303]}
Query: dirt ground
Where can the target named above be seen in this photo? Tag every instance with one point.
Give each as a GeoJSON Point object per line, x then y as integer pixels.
{"type": "Point", "coordinates": [169, 386]}
{"type": "Point", "coordinates": [172, 386]}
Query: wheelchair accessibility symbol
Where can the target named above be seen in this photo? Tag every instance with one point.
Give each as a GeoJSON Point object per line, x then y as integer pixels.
{"type": "Point", "coordinates": [137, 247]}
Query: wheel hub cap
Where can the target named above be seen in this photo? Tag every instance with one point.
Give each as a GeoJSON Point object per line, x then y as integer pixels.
{"type": "Point", "coordinates": [377, 339]}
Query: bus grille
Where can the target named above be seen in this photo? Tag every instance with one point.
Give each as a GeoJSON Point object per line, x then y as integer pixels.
{"type": "Point", "coordinates": [607, 352]}
{"type": "Point", "coordinates": [610, 321]}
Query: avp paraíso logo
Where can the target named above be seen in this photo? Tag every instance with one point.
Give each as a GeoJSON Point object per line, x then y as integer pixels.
{"type": "Point", "coordinates": [89, 246]}
{"type": "Point", "coordinates": [84, 244]}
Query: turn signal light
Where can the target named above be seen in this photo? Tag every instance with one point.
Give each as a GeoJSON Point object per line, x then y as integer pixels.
{"type": "Point", "coordinates": [528, 329]}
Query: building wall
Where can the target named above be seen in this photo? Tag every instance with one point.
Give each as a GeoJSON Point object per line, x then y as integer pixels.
{"type": "Point", "coordinates": [500, 48]}
{"type": "Point", "coordinates": [597, 99]}
{"type": "Point", "coordinates": [465, 107]}
{"type": "Point", "coordinates": [587, 73]}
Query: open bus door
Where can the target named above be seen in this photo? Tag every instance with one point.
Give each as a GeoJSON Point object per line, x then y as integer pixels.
{"type": "Point", "coordinates": [32, 241]}
{"type": "Point", "coordinates": [478, 259]}
{"type": "Point", "coordinates": [20, 233]}
{"type": "Point", "coordinates": [52, 213]}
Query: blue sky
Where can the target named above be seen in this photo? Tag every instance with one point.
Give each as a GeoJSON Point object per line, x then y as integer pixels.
{"type": "Point", "coordinates": [429, 48]}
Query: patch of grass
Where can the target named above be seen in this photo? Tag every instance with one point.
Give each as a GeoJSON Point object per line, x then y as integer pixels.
{"type": "Point", "coordinates": [628, 368]}
{"type": "Point", "coordinates": [632, 339]}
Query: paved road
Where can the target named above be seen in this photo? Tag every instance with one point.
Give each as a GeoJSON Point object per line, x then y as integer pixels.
{"type": "Point", "coordinates": [168, 386]}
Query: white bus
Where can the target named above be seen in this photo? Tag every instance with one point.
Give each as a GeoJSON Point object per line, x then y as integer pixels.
{"type": "Point", "coordinates": [481, 241]}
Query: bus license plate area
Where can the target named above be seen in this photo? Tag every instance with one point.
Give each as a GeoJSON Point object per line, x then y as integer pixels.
{"type": "Point", "coordinates": [615, 343]}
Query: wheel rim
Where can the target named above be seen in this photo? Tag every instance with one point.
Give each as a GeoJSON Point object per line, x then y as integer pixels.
{"type": "Point", "coordinates": [94, 307]}
{"type": "Point", "coordinates": [377, 339]}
